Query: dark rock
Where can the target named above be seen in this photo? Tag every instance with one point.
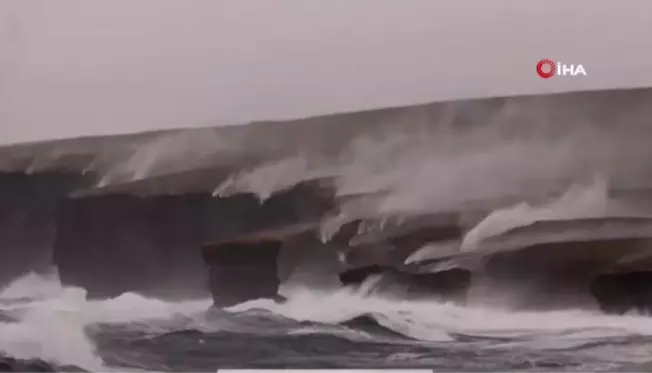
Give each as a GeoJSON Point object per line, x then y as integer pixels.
{"type": "Point", "coordinates": [382, 252]}
{"type": "Point", "coordinates": [244, 270]}
{"type": "Point", "coordinates": [391, 243]}
{"type": "Point", "coordinates": [553, 275]}
{"type": "Point", "coordinates": [8, 364]}
{"type": "Point", "coordinates": [28, 204]}
{"type": "Point", "coordinates": [450, 285]}
{"type": "Point", "coordinates": [356, 276]}
{"type": "Point", "coordinates": [118, 243]}
{"type": "Point", "coordinates": [115, 243]}
{"type": "Point", "coordinates": [617, 293]}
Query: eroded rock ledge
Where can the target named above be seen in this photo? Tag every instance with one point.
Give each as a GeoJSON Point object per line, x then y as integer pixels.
{"type": "Point", "coordinates": [114, 243]}
{"type": "Point", "coordinates": [28, 205]}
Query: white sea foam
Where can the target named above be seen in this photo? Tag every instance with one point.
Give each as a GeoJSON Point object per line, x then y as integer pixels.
{"type": "Point", "coordinates": [52, 327]}
{"type": "Point", "coordinates": [439, 322]}
{"type": "Point", "coordinates": [52, 324]}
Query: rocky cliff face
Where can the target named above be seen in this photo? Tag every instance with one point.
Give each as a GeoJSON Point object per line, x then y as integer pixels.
{"type": "Point", "coordinates": [110, 244]}
{"type": "Point", "coordinates": [118, 243]}
{"type": "Point", "coordinates": [243, 270]}
{"type": "Point", "coordinates": [28, 204]}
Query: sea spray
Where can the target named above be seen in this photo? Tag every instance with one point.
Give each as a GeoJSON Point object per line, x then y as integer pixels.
{"type": "Point", "coordinates": [52, 325]}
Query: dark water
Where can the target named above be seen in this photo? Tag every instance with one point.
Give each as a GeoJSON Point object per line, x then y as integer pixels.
{"type": "Point", "coordinates": [193, 350]}
{"type": "Point", "coordinates": [338, 330]}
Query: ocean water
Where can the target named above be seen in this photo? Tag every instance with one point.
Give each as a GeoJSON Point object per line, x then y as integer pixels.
{"type": "Point", "coordinates": [341, 329]}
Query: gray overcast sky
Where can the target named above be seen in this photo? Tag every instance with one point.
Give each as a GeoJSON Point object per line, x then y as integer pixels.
{"type": "Point", "coordinates": [80, 67]}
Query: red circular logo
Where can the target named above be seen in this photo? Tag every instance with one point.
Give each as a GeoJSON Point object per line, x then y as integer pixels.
{"type": "Point", "coordinates": [546, 68]}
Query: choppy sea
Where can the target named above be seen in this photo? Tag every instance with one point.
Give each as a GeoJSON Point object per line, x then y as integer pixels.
{"type": "Point", "coordinates": [342, 329]}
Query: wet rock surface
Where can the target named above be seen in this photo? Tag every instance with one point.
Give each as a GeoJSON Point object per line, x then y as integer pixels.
{"type": "Point", "coordinates": [618, 293]}
{"type": "Point", "coordinates": [153, 242]}
{"type": "Point", "coordinates": [28, 204]}
{"type": "Point", "coordinates": [242, 271]}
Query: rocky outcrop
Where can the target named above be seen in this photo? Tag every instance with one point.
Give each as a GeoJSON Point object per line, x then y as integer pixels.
{"type": "Point", "coordinates": [546, 265]}
{"type": "Point", "coordinates": [28, 204]}
{"type": "Point", "coordinates": [547, 276]}
{"type": "Point", "coordinates": [402, 244]}
{"type": "Point", "coordinates": [10, 364]}
{"type": "Point", "coordinates": [382, 252]}
{"type": "Point", "coordinates": [239, 271]}
{"type": "Point", "coordinates": [391, 241]}
{"type": "Point", "coordinates": [118, 243]}
{"type": "Point", "coordinates": [450, 285]}
{"type": "Point", "coordinates": [551, 264]}
{"type": "Point", "coordinates": [356, 276]}
{"type": "Point", "coordinates": [251, 266]}
{"type": "Point", "coordinates": [114, 243]}
{"type": "Point", "coordinates": [618, 293]}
